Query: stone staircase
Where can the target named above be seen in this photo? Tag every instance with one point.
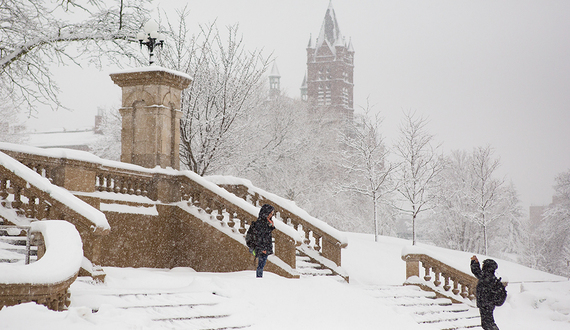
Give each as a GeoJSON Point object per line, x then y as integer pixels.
{"type": "Point", "coordinates": [427, 309]}
{"type": "Point", "coordinates": [15, 248]}
{"type": "Point", "coordinates": [307, 267]}
{"type": "Point", "coordinates": [163, 309]}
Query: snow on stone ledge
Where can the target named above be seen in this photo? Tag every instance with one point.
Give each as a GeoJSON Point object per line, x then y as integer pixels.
{"type": "Point", "coordinates": [460, 260]}
{"type": "Point", "coordinates": [88, 157]}
{"type": "Point", "coordinates": [62, 260]}
{"type": "Point", "coordinates": [253, 210]}
{"type": "Point", "coordinates": [62, 195]}
{"type": "Point", "coordinates": [283, 202]}
{"type": "Point", "coordinates": [152, 68]}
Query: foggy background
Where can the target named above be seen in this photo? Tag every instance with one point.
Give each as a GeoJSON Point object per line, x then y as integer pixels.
{"type": "Point", "coordinates": [484, 72]}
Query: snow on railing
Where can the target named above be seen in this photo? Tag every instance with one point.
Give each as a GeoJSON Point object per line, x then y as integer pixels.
{"type": "Point", "coordinates": [457, 285]}
{"type": "Point", "coordinates": [318, 235]}
{"type": "Point", "coordinates": [47, 280]}
{"type": "Point", "coordinates": [157, 184]}
{"type": "Point", "coordinates": [20, 181]}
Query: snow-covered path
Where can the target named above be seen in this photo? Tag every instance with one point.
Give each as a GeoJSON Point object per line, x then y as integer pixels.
{"type": "Point", "coordinates": [136, 299]}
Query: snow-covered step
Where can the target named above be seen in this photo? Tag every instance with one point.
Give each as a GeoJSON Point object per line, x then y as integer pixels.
{"type": "Point", "coordinates": [427, 309]}
{"type": "Point", "coordinates": [306, 267]}
{"type": "Point", "coordinates": [164, 309]}
{"type": "Point", "coordinates": [13, 249]}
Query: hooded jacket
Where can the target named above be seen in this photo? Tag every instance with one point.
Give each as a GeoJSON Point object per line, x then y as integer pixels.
{"type": "Point", "coordinates": [487, 278]}
{"type": "Point", "coordinates": [262, 231]}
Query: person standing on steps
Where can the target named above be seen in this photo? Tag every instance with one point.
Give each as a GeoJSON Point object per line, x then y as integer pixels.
{"type": "Point", "coordinates": [262, 229]}
{"type": "Point", "coordinates": [485, 292]}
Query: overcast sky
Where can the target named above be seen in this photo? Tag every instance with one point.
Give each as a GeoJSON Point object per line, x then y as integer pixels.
{"type": "Point", "coordinates": [483, 72]}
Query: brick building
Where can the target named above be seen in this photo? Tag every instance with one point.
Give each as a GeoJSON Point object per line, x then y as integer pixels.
{"type": "Point", "coordinates": [328, 82]}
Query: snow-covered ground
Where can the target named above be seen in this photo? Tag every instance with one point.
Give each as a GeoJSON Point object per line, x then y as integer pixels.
{"type": "Point", "coordinates": [307, 303]}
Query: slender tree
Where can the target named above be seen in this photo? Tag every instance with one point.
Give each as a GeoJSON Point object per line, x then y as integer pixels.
{"type": "Point", "coordinates": [418, 168]}
{"type": "Point", "coordinates": [473, 208]}
{"type": "Point", "coordinates": [364, 158]}
{"type": "Point", "coordinates": [551, 237]}
{"type": "Point", "coordinates": [226, 86]}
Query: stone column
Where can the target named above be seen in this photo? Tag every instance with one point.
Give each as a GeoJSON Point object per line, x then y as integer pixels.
{"type": "Point", "coordinates": [151, 114]}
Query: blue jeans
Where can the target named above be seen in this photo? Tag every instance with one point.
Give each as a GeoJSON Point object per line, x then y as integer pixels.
{"type": "Point", "coordinates": [262, 259]}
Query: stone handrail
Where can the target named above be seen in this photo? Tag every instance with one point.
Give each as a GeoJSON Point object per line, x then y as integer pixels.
{"type": "Point", "coordinates": [318, 236]}
{"type": "Point", "coordinates": [457, 285]}
{"type": "Point", "coordinates": [47, 280]}
{"type": "Point", "coordinates": [31, 197]}
{"type": "Point", "coordinates": [236, 214]}
{"type": "Point", "coordinates": [167, 186]}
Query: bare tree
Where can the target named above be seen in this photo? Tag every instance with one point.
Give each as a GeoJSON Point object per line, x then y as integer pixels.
{"type": "Point", "coordinates": [35, 34]}
{"type": "Point", "coordinates": [226, 86]}
{"type": "Point", "coordinates": [473, 208]}
{"type": "Point", "coordinates": [418, 168]}
{"type": "Point", "coordinates": [364, 157]}
{"type": "Point", "coordinates": [551, 238]}
{"type": "Point", "coordinates": [487, 194]}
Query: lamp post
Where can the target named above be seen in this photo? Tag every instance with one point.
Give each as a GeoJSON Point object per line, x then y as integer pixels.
{"type": "Point", "coordinates": [150, 38]}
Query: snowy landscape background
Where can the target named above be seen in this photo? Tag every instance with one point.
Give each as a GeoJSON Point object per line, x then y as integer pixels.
{"type": "Point", "coordinates": [536, 300]}
{"type": "Point", "coordinates": [483, 72]}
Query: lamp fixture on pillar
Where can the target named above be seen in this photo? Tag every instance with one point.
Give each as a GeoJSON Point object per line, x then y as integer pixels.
{"type": "Point", "coordinates": [150, 38]}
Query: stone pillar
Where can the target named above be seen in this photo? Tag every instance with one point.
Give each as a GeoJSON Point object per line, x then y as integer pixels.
{"type": "Point", "coordinates": [150, 109]}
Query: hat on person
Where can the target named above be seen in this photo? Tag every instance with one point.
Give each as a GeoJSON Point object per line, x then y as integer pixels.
{"type": "Point", "coordinates": [266, 210]}
{"type": "Point", "coordinates": [490, 265]}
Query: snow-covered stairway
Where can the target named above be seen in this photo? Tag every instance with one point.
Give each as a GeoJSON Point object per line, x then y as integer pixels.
{"type": "Point", "coordinates": [158, 306]}
{"type": "Point", "coordinates": [15, 248]}
{"type": "Point", "coordinates": [320, 251]}
{"type": "Point", "coordinates": [306, 266]}
{"type": "Point", "coordinates": [427, 309]}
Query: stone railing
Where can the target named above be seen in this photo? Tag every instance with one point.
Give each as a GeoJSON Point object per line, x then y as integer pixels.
{"type": "Point", "coordinates": [32, 197]}
{"type": "Point", "coordinates": [318, 237]}
{"type": "Point", "coordinates": [236, 214]}
{"type": "Point", "coordinates": [457, 285]}
{"type": "Point", "coordinates": [47, 280]}
{"type": "Point", "coordinates": [85, 178]}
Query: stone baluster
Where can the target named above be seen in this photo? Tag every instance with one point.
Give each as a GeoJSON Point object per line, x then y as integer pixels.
{"type": "Point", "coordinates": [3, 188]}
{"type": "Point", "coordinates": [446, 285]}
{"type": "Point", "coordinates": [464, 291]}
{"type": "Point", "coordinates": [17, 203]}
{"type": "Point", "coordinates": [307, 239]}
{"type": "Point", "coordinates": [117, 186]}
{"type": "Point", "coordinates": [427, 276]}
{"type": "Point", "coordinates": [455, 286]}
{"type": "Point", "coordinates": [317, 238]}
{"type": "Point", "coordinates": [437, 282]}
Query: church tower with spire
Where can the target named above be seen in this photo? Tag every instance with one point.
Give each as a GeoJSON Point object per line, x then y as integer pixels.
{"type": "Point", "coordinates": [328, 83]}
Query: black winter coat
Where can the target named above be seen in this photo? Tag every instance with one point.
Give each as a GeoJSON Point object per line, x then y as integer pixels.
{"type": "Point", "coordinates": [264, 240]}
{"type": "Point", "coordinates": [484, 285]}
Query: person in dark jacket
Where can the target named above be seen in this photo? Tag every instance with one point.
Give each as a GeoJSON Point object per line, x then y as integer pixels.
{"type": "Point", "coordinates": [263, 227]}
{"type": "Point", "coordinates": [486, 277]}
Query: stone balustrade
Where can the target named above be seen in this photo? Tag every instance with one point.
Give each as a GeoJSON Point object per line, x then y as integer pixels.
{"type": "Point", "coordinates": [234, 217]}
{"type": "Point", "coordinates": [47, 280]}
{"type": "Point", "coordinates": [315, 237]}
{"type": "Point", "coordinates": [457, 285]}
{"type": "Point", "coordinates": [31, 202]}
{"type": "Point", "coordinates": [158, 185]}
